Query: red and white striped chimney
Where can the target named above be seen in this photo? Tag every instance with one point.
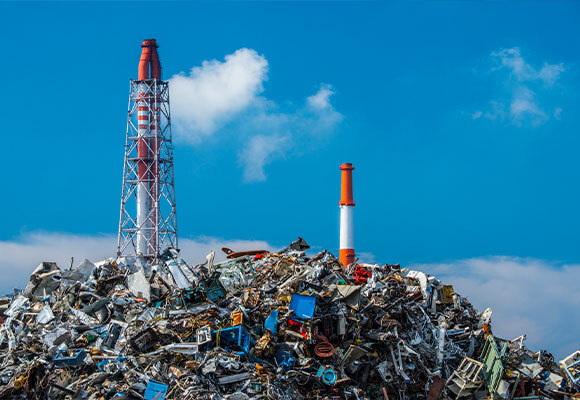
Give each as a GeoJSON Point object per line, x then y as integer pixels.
{"type": "Point", "coordinates": [346, 216]}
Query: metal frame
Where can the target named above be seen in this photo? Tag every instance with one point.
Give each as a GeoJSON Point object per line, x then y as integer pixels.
{"type": "Point", "coordinates": [159, 228]}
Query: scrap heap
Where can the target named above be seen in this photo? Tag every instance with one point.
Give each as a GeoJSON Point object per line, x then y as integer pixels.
{"type": "Point", "coordinates": [260, 325]}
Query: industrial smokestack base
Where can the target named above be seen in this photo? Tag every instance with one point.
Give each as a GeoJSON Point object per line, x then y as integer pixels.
{"type": "Point", "coordinates": [347, 254]}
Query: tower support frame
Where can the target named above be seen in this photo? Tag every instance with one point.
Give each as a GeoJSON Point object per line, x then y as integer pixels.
{"type": "Point", "coordinates": [147, 221]}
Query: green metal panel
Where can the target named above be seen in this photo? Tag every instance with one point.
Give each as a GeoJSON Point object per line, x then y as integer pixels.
{"type": "Point", "coordinates": [493, 370]}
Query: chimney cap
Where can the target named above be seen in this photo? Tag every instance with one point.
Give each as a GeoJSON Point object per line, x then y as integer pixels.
{"type": "Point", "coordinates": [149, 43]}
{"type": "Point", "coordinates": [346, 167]}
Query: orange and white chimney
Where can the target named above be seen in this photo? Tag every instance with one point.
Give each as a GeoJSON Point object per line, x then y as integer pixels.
{"type": "Point", "coordinates": [346, 216]}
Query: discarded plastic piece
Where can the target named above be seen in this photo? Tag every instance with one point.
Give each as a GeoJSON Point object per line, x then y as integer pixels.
{"type": "Point", "coordinates": [271, 323]}
{"type": "Point", "coordinates": [235, 338]}
{"type": "Point", "coordinates": [71, 357]}
{"type": "Point", "coordinates": [139, 285]}
{"type": "Point", "coordinates": [155, 390]}
{"type": "Point", "coordinates": [303, 306]}
{"type": "Point", "coordinates": [45, 315]}
{"type": "Point", "coordinates": [112, 335]}
{"type": "Point", "coordinates": [327, 375]}
{"type": "Point", "coordinates": [203, 335]}
{"type": "Point", "coordinates": [285, 359]}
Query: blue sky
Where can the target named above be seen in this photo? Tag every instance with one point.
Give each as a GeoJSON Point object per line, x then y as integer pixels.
{"type": "Point", "coordinates": [460, 118]}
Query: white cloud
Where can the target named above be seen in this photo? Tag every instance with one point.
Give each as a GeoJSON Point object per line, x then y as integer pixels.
{"type": "Point", "coordinates": [550, 73]}
{"type": "Point", "coordinates": [522, 71]}
{"type": "Point", "coordinates": [213, 94]}
{"type": "Point", "coordinates": [496, 111]}
{"type": "Point", "coordinates": [524, 106]}
{"type": "Point", "coordinates": [274, 134]}
{"type": "Point", "coordinates": [320, 115]}
{"type": "Point", "coordinates": [558, 113]}
{"type": "Point", "coordinates": [20, 256]}
{"type": "Point", "coordinates": [511, 58]}
{"type": "Point", "coordinates": [261, 150]}
{"type": "Point", "coordinates": [321, 100]}
{"type": "Point", "coordinates": [531, 296]}
{"type": "Point", "coordinates": [231, 92]}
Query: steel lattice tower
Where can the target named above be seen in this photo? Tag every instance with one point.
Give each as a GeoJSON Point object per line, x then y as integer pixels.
{"type": "Point", "coordinates": [148, 224]}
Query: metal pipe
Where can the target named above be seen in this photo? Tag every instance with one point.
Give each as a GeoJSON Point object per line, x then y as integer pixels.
{"type": "Point", "coordinates": [144, 148]}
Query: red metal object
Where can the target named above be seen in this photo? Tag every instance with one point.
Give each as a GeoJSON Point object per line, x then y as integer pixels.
{"type": "Point", "coordinates": [324, 348]}
{"type": "Point", "coordinates": [235, 254]}
{"type": "Point", "coordinates": [361, 275]}
{"type": "Point", "coordinates": [297, 327]}
{"type": "Point", "coordinates": [149, 59]}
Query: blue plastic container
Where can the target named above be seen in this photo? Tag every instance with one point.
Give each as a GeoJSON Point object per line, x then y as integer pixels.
{"type": "Point", "coordinates": [154, 389]}
{"type": "Point", "coordinates": [271, 323]}
{"type": "Point", "coordinates": [76, 359]}
{"type": "Point", "coordinates": [303, 306]}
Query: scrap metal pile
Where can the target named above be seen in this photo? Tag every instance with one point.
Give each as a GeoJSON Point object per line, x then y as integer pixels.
{"type": "Point", "coordinates": [260, 325]}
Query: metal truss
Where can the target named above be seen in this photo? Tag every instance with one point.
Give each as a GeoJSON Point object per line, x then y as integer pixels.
{"type": "Point", "coordinates": [147, 222]}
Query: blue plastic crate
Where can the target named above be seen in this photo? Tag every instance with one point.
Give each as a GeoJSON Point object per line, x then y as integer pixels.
{"type": "Point", "coordinates": [233, 339]}
{"type": "Point", "coordinates": [78, 356]}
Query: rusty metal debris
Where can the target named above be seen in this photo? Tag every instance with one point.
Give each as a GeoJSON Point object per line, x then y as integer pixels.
{"type": "Point", "coordinates": [260, 325]}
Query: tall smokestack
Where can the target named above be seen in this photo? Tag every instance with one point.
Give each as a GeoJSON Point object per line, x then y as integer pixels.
{"type": "Point", "coordinates": [346, 216]}
{"type": "Point", "coordinates": [147, 224]}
